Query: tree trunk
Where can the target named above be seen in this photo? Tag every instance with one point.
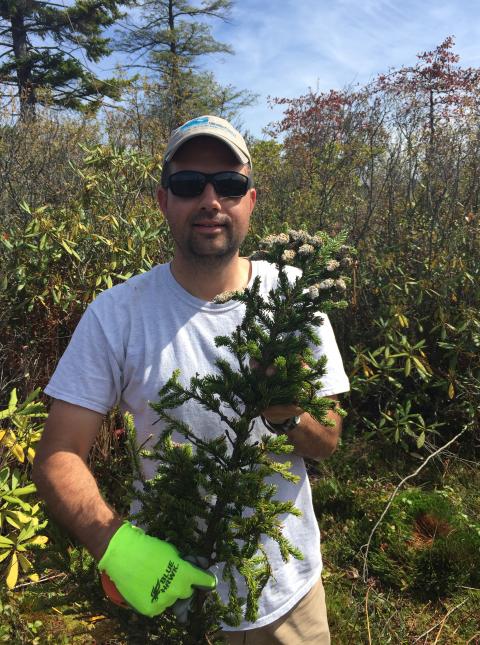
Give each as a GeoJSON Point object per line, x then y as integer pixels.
{"type": "Point", "coordinates": [26, 91]}
{"type": "Point", "coordinates": [175, 116]}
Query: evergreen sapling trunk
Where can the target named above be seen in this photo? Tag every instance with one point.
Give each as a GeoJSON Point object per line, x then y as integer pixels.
{"type": "Point", "coordinates": [212, 498]}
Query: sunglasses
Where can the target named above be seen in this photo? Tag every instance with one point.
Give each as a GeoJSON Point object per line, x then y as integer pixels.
{"type": "Point", "coordinates": [191, 183]}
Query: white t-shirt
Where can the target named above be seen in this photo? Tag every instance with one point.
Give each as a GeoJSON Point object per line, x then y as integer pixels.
{"type": "Point", "coordinates": [126, 346]}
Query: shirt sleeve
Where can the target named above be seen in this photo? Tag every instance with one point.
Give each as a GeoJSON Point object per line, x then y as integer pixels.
{"type": "Point", "coordinates": [89, 372]}
{"type": "Point", "coordinates": [335, 380]}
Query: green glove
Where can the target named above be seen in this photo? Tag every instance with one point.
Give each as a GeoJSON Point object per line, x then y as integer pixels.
{"type": "Point", "coordinates": [149, 573]}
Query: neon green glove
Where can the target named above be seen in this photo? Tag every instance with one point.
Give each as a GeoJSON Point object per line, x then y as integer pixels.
{"type": "Point", "coordinates": [149, 573]}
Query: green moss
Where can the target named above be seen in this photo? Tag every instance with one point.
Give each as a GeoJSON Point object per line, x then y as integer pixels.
{"type": "Point", "coordinates": [428, 544]}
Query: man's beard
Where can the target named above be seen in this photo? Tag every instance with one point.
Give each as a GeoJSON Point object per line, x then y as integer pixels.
{"type": "Point", "coordinates": [197, 249]}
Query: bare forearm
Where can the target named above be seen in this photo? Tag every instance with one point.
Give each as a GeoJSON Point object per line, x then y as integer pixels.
{"type": "Point", "coordinates": [309, 438]}
{"type": "Point", "coordinates": [71, 493]}
{"type": "Point", "coordinates": [313, 440]}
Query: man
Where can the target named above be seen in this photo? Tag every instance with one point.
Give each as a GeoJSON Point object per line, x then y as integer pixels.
{"type": "Point", "coordinates": [124, 349]}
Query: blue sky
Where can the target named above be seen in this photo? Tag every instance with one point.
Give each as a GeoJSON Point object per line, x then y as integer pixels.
{"type": "Point", "coordinates": [283, 47]}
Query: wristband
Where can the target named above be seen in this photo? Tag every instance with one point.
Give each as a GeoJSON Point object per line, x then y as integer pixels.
{"type": "Point", "coordinates": [281, 428]}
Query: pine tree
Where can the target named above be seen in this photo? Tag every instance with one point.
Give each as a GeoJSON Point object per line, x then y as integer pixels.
{"type": "Point", "coordinates": [194, 93]}
{"type": "Point", "coordinates": [168, 38]}
{"type": "Point", "coordinates": [202, 487]}
{"type": "Point", "coordinates": [42, 44]}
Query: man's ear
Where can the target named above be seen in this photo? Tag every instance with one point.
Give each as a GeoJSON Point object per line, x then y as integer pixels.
{"type": "Point", "coordinates": [162, 198]}
{"type": "Point", "coordinates": [253, 199]}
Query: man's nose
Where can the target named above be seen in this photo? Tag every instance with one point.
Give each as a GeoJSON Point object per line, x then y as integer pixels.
{"type": "Point", "coordinates": [209, 198]}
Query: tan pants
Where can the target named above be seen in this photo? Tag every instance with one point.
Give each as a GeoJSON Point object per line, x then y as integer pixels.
{"type": "Point", "coordinates": [306, 622]}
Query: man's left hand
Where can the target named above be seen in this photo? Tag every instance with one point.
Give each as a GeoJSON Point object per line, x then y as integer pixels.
{"type": "Point", "coordinates": [277, 413]}
{"type": "Point", "coordinates": [280, 413]}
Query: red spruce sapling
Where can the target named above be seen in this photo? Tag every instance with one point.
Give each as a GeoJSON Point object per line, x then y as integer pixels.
{"type": "Point", "coordinates": [198, 498]}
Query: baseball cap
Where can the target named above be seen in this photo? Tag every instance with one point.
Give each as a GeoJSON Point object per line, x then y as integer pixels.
{"type": "Point", "coordinates": [210, 126]}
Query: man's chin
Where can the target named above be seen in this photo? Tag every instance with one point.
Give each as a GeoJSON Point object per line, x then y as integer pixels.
{"type": "Point", "coordinates": [210, 250]}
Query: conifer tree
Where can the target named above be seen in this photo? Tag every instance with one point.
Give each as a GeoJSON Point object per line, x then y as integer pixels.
{"type": "Point", "coordinates": [42, 45]}
{"type": "Point", "coordinates": [203, 486]}
{"type": "Point", "coordinates": [168, 38]}
{"type": "Point", "coordinates": [193, 93]}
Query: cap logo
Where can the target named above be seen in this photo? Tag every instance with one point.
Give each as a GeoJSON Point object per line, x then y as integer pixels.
{"type": "Point", "coordinates": [205, 121]}
{"type": "Point", "coordinates": [189, 124]}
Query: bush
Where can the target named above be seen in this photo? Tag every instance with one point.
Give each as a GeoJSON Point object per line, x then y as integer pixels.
{"type": "Point", "coordinates": [20, 521]}
{"type": "Point", "coordinates": [58, 259]}
{"type": "Point", "coordinates": [37, 162]}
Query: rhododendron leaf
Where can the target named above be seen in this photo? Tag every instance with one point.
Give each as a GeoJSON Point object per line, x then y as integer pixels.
{"type": "Point", "coordinates": [12, 572]}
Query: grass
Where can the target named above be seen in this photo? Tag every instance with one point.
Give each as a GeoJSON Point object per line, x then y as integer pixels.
{"type": "Point", "coordinates": [364, 613]}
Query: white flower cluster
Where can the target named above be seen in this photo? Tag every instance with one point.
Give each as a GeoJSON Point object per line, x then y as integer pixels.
{"type": "Point", "coordinates": [288, 255]}
{"type": "Point", "coordinates": [313, 292]}
{"type": "Point", "coordinates": [271, 240]}
{"type": "Point", "coordinates": [298, 236]}
{"type": "Point", "coordinates": [332, 265]}
{"type": "Point", "coordinates": [225, 296]}
{"type": "Point", "coordinates": [293, 237]}
{"type": "Point", "coordinates": [329, 283]}
{"type": "Point", "coordinates": [301, 245]}
{"type": "Point", "coordinates": [306, 249]}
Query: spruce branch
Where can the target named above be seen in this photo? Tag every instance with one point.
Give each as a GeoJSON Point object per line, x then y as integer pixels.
{"type": "Point", "coordinates": [214, 498]}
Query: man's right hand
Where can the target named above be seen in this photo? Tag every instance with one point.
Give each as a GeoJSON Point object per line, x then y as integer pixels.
{"type": "Point", "coordinates": [149, 573]}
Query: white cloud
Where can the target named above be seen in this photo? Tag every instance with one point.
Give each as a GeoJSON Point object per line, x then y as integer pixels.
{"type": "Point", "coordinates": [282, 48]}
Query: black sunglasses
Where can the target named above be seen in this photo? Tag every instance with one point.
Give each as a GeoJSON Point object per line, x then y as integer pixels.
{"type": "Point", "coordinates": [191, 183]}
